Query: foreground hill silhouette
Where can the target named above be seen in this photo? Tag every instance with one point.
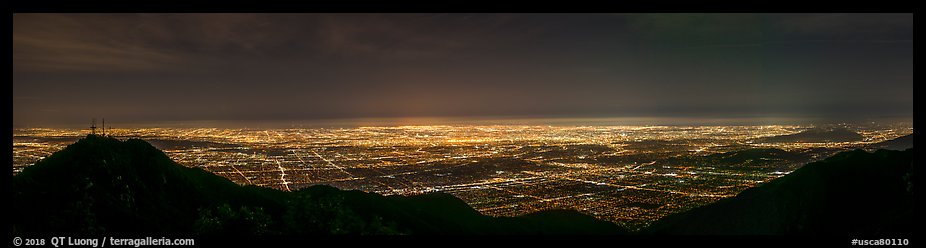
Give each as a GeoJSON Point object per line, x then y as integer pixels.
{"type": "Point", "coordinates": [852, 193]}
{"type": "Point", "coordinates": [101, 185]}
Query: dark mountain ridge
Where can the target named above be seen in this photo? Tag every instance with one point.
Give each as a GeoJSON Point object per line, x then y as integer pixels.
{"type": "Point", "coordinates": [901, 143]}
{"type": "Point", "coordinates": [851, 193]}
{"type": "Point", "coordinates": [815, 135]}
{"type": "Point", "coordinates": [102, 185]}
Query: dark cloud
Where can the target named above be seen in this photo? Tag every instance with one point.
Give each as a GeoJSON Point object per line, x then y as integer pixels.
{"type": "Point", "coordinates": [151, 67]}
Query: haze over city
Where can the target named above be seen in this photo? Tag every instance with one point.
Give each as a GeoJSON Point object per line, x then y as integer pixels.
{"type": "Point", "coordinates": [144, 68]}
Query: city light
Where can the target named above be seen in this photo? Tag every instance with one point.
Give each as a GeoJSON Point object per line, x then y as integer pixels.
{"type": "Point", "coordinates": [631, 175]}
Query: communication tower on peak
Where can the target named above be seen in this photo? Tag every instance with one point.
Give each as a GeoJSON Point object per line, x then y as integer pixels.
{"type": "Point", "coordinates": [93, 127]}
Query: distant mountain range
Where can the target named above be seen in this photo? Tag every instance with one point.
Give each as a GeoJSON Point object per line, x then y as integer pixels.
{"type": "Point", "coordinates": [754, 155]}
{"type": "Point", "coordinates": [898, 144]}
{"type": "Point", "coordinates": [747, 160]}
{"type": "Point", "coordinates": [102, 185]}
{"type": "Point", "coordinates": [815, 135]}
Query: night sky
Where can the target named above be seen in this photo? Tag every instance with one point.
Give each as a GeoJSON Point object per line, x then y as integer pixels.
{"type": "Point", "coordinates": [141, 68]}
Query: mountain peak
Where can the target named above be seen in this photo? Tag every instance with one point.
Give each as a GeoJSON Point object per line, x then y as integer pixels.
{"type": "Point", "coordinates": [104, 185]}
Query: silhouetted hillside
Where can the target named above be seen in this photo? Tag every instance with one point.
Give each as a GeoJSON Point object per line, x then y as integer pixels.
{"type": "Point", "coordinates": [749, 155]}
{"type": "Point", "coordinates": [102, 185]}
{"type": "Point", "coordinates": [898, 144]}
{"type": "Point", "coordinates": [105, 186]}
{"type": "Point", "coordinates": [816, 135]}
{"type": "Point", "coordinates": [851, 193]}
{"type": "Point", "coordinates": [768, 159]}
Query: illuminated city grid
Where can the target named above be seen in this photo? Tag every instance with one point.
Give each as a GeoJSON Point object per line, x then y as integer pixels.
{"type": "Point", "coordinates": [631, 175]}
